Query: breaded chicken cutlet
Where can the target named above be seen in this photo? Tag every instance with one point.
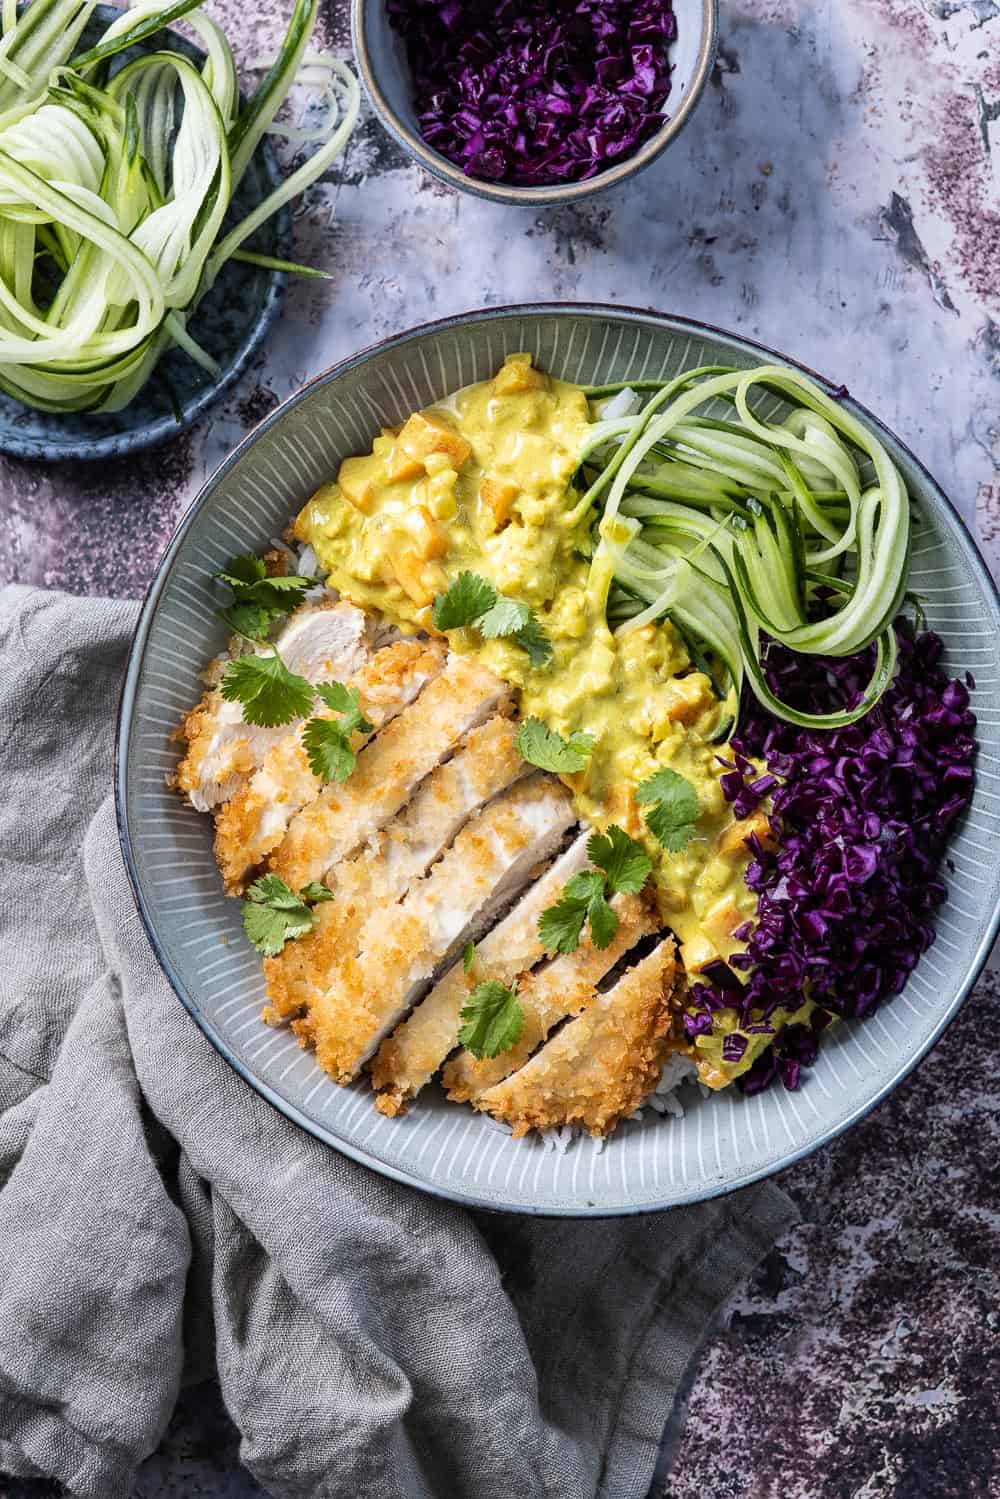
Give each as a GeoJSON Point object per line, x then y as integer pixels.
{"type": "Point", "coordinates": [441, 843]}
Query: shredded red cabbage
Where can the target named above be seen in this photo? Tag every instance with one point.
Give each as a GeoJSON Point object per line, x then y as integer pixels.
{"type": "Point", "coordinates": [862, 816]}
{"type": "Point", "coordinates": [537, 91]}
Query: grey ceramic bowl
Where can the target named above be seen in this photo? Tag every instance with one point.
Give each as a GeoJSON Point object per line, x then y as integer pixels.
{"type": "Point", "coordinates": [232, 322]}
{"type": "Point", "coordinates": [722, 1142]}
{"type": "Point", "coordinates": [381, 60]}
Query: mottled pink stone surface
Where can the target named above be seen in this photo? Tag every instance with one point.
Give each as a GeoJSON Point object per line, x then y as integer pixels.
{"type": "Point", "coordinates": [836, 195]}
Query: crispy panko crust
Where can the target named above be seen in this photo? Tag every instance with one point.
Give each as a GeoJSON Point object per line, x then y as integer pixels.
{"type": "Point", "coordinates": [601, 1066]}
{"type": "Point", "coordinates": [344, 816]}
{"type": "Point", "coordinates": [255, 820]}
{"type": "Point", "coordinates": [320, 641]}
{"type": "Point", "coordinates": [439, 829]}
{"type": "Point", "coordinates": [408, 1059]}
{"type": "Point", "coordinates": [367, 887]}
{"type": "Point", "coordinates": [566, 986]}
{"type": "Point", "coordinates": [493, 855]}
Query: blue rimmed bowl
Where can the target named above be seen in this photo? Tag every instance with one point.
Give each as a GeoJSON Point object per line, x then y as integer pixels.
{"type": "Point", "coordinates": [722, 1142]}
{"type": "Point", "coordinates": [232, 322]}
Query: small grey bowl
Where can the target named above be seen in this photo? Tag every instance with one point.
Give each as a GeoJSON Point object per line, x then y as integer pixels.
{"type": "Point", "coordinates": [381, 59]}
{"type": "Point", "coordinates": [232, 322]}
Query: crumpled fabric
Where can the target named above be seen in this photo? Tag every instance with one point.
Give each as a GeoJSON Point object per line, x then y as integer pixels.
{"type": "Point", "coordinates": [159, 1221]}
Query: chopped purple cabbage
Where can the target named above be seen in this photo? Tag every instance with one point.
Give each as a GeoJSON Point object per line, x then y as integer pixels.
{"type": "Point", "coordinates": [846, 899]}
{"type": "Point", "coordinates": [538, 91]}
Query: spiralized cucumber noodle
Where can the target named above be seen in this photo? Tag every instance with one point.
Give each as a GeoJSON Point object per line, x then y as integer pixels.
{"type": "Point", "coordinates": [743, 530]}
{"type": "Point", "coordinates": [114, 185]}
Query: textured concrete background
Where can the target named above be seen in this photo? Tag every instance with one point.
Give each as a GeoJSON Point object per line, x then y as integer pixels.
{"type": "Point", "coordinates": [836, 196]}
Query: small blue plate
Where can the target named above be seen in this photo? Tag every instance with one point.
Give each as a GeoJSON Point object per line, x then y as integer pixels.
{"type": "Point", "coordinates": [232, 322]}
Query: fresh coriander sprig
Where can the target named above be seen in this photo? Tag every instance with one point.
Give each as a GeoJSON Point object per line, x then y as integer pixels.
{"type": "Point", "coordinates": [269, 693]}
{"type": "Point", "coordinates": [622, 867]}
{"type": "Point", "coordinates": [542, 746]}
{"type": "Point", "coordinates": [259, 600]}
{"type": "Point", "coordinates": [494, 1021]}
{"type": "Point", "coordinates": [273, 914]}
{"type": "Point", "coordinates": [471, 600]}
{"type": "Point", "coordinates": [327, 741]}
{"type": "Point", "coordinates": [672, 808]}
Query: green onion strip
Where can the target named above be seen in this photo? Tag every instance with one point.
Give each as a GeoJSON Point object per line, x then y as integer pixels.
{"type": "Point", "coordinates": [115, 185]}
{"type": "Point", "coordinates": [728, 527]}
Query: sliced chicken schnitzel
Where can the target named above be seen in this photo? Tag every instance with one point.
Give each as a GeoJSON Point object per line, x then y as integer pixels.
{"type": "Point", "coordinates": [441, 834]}
{"type": "Point", "coordinates": [560, 988]}
{"type": "Point", "coordinates": [256, 819]}
{"type": "Point", "coordinates": [493, 856]}
{"type": "Point", "coordinates": [343, 816]}
{"type": "Point", "coordinates": [409, 1058]}
{"type": "Point", "coordinates": [321, 642]}
{"type": "Point", "coordinates": [599, 1067]}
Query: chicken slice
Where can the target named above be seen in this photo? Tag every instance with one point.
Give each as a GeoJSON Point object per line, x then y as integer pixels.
{"type": "Point", "coordinates": [345, 816]}
{"type": "Point", "coordinates": [484, 765]}
{"type": "Point", "coordinates": [598, 1069]}
{"type": "Point", "coordinates": [560, 988]}
{"type": "Point", "coordinates": [409, 1058]}
{"type": "Point", "coordinates": [256, 819]}
{"type": "Point", "coordinates": [321, 642]}
{"type": "Point", "coordinates": [401, 948]}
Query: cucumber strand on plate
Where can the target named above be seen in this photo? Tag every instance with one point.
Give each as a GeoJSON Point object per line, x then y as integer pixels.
{"type": "Point", "coordinates": [731, 527]}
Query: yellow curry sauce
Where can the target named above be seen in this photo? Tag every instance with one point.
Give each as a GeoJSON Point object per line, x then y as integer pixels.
{"type": "Point", "coordinates": [481, 483]}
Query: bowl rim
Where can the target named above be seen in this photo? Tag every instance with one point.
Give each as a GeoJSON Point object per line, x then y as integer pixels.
{"type": "Point", "coordinates": [500, 192]}
{"type": "Point", "coordinates": [24, 446]}
{"type": "Point", "coordinates": [133, 670]}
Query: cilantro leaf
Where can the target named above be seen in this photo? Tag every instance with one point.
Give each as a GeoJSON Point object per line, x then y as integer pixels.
{"type": "Point", "coordinates": [625, 862]}
{"type": "Point", "coordinates": [559, 926]}
{"type": "Point", "coordinates": [271, 890]}
{"type": "Point", "coordinates": [347, 702]}
{"type": "Point", "coordinates": [269, 929]}
{"type": "Point", "coordinates": [467, 598]}
{"type": "Point", "coordinates": [291, 582]}
{"type": "Point", "coordinates": [258, 600]}
{"type": "Point", "coordinates": [493, 1019]}
{"type": "Point", "coordinates": [249, 620]}
{"type": "Point", "coordinates": [243, 571]}
{"type": "Point", "coordinates": [532, 638]}
{"type": "Point", "coordinates": [276, 600]}
{"type": "Point", "coordinates": [603, 921]}
{"type": "Point", "coordinates": [472, 600]}
{"type": "Point", "coordinates": [337, 697]}
{"type": "Point", "coordinates": [469, 956]}
{"type": "Point", "coordinates": [542, 746]}
{"type": "Point", "coordinates": [506, 617]}
{"type": "Point", "coordinates": [585, 898]}
{"type": "Point", "coordinates": [585, 886]}
{"type": "Point", "coordinates": [269, 692]}
{"type": "Point", "coordinates": [587, 891]}
{"type": "Point", "coordinates": [327, 741]}
{"type": "Point", "coordinates": [315, 893]}
{"type": "Point", "coordinates": [673, 808]}
{"type": "Point", "coordinates": [328, 749]}
{"type": "Point", "coordinates": [273, 914]}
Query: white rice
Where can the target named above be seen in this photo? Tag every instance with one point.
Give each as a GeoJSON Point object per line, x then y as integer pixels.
{"type": "Point", "coordinates": [626, 403]}
{"type": "Point", "coordinates": [664, 1101]}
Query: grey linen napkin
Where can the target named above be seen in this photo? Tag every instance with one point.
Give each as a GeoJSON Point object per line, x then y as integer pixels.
{"type": "Point", "coordinates": [159, 1219]}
